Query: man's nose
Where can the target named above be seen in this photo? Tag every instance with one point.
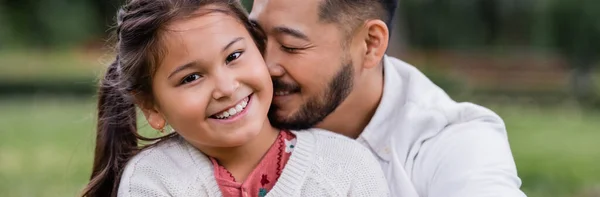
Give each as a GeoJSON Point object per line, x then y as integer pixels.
{"type": "Point", "coordinates": [273, 63]}
{"type": "Point", "coordinates": [276, 70]}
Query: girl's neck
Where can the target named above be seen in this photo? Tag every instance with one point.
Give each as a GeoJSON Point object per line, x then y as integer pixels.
{"type": "Point", "coordinates": [241, 160]}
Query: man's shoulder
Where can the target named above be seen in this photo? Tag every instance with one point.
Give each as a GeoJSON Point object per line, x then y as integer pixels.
{"type": "Point", "coordinates": [334, 147]}
{"type": "Point", "coordinates": [469, 142]}
{"type": "Point", "coordinates": [468, 121]}
{"type": "Point", "coordinates": [399, 65]}
{"type": "Point", "coordinates": [470, 133]}
{"type": "Point", "coordinates": [473, 152]}
{"type": "Point", "coordinates": [433, 113]}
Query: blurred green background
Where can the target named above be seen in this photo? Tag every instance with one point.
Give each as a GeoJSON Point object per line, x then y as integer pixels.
{"type": "Point", "coordinates": [534, 62]}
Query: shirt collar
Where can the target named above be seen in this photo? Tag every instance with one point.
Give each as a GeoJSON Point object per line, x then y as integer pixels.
{"type": "Point", "coordinates": [376, 134]}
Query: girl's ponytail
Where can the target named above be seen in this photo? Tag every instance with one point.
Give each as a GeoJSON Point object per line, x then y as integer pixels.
{"type": "Point", "coordinates": [116, 138]}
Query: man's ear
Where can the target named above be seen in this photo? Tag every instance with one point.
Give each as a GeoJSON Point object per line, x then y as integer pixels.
{"type": "Point", "coordinates": [376, 39]}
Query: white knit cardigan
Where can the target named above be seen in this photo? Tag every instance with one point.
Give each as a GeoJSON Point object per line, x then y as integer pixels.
{"type": "Point", "coordinates": [321, 164]}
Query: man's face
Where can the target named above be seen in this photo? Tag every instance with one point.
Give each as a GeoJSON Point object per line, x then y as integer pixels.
{"type": "Point", "coordinates": [311, 68]}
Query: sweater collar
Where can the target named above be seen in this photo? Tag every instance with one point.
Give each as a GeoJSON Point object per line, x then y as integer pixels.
{"type": "Point", "coordinates": [296, 169]}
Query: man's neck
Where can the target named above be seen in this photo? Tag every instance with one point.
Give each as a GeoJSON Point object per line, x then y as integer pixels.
{"type": "Point", "coordinates": [355, 113]}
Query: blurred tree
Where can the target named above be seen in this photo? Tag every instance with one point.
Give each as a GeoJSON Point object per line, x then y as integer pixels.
{"type": "Point", "coordinates": [24, 22]}
{"type": "Point", "coordinates": [4, 33]}
{"type": "Point", "coordinates": [50, 23]}
{"type": "Point", "coordinates": [435, 24]}
{"type": "Point", "coordinates": [107, 11]}
{"type": "Point", "coordinates": [56, 23]}
{"type": "Point", "coordinates": [488, 11]}
{"type": "Point", "coordinates": [576, 31]}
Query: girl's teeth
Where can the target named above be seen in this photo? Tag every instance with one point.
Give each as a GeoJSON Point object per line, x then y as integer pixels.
{"type": "Point", "coordinates": [234, 110]}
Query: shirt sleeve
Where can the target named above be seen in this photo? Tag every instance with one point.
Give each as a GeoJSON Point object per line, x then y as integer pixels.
{"type": "Point", "coordinates": [470, 159]}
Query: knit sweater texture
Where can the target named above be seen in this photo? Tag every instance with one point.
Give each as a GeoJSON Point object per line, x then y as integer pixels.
{"type": "Point", "coordinates": [322, 164]}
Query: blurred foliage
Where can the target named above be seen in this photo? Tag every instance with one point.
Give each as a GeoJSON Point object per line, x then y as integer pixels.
{"type": "Point", "coordinates": [567, 28]}
{"type": "Point", "coordinates": [564, 27]}
{"type": "Point", "coordinates": [568, 25]}
{"type": "Point", "coordinates": [56, 23]}
{"type": "Point", "coordinates": [50, 23]}
{"type": "Point", "coordinates": [27, 72]}
{"type": "Point", "coordinates": [452, 85]}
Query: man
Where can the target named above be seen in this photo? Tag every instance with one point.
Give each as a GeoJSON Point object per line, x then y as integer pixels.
{"type": "Point", "coordinates": [328, 64]}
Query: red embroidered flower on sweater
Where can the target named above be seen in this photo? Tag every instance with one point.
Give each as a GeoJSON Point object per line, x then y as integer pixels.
{"type": "Point", "coordinates": [264, 180]}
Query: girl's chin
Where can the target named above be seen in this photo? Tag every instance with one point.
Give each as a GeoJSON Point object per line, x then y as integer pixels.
{"type": "Point", "coordinates": [237, 140]}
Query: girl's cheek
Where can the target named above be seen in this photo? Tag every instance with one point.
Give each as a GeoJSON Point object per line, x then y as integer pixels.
{"type": "Point", "coordinates": [260, 74]}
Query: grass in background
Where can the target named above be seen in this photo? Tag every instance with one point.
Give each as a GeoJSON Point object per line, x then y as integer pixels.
{"type": "Point", "coordinates": [46, 147]}
{"type": "Point", "coordinates": [557, 149]}
{"type": "Point", "coordinates": [33, 65]}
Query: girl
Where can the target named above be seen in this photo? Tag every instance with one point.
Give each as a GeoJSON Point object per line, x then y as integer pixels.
{"type": "Point", "coordinates": [196, 66]}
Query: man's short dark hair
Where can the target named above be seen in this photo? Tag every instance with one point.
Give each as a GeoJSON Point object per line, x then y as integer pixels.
{"type": "Point", "coordinates": [351, 13]}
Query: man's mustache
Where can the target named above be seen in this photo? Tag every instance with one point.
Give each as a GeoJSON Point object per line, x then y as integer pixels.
{"type": "Point", "coordinates": [280, 85]}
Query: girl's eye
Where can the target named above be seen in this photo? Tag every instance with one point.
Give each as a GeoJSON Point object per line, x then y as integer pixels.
{"type": "Point", "coordinates": [190, 78]}
{"type": "Point", "coordinates": [232, 57]}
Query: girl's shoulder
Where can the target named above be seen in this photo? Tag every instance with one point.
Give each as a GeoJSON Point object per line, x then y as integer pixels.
{"type": "Point", "coordinates": [166, 153]}
{"type": "Point", "coordinates": [170, 166]}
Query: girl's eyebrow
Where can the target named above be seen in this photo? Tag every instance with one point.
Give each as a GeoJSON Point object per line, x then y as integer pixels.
{"type": "Point", "coordinates": [232, 42]}
{"type": "Point", "coordinates": [191, 64]}
{"type": "Point", "coordinates": [180, 68]}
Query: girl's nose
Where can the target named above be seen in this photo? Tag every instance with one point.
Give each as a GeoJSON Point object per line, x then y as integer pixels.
{"type": "Point", "coordinates": [226, 85]}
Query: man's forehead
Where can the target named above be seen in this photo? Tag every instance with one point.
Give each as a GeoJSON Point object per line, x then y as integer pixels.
{"type": "Point", "coordinates": [268, 11]}
{"type": "Point", "coordinates": [295, 18]}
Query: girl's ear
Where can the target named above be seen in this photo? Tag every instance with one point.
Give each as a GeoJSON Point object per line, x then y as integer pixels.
{"type": "Point", "coordinates": [154, 117]}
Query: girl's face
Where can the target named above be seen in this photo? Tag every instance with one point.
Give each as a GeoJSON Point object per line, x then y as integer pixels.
{"type": "Point", "coordinates": [212, 85]}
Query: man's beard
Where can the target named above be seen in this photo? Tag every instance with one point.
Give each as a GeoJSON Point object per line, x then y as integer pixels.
{"type": "Point", "coordinates": [318, 107]}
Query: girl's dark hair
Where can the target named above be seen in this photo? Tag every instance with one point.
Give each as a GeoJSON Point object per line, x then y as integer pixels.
{"type": "Point", "coordinates": [128, 81]}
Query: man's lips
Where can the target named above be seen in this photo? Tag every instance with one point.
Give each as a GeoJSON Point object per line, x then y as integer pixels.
{"type": "Point", "coordinates": [284, 92]}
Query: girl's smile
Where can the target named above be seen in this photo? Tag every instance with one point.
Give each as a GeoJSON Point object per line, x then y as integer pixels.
{"type": "Point", "coordinates": [233, 113]}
